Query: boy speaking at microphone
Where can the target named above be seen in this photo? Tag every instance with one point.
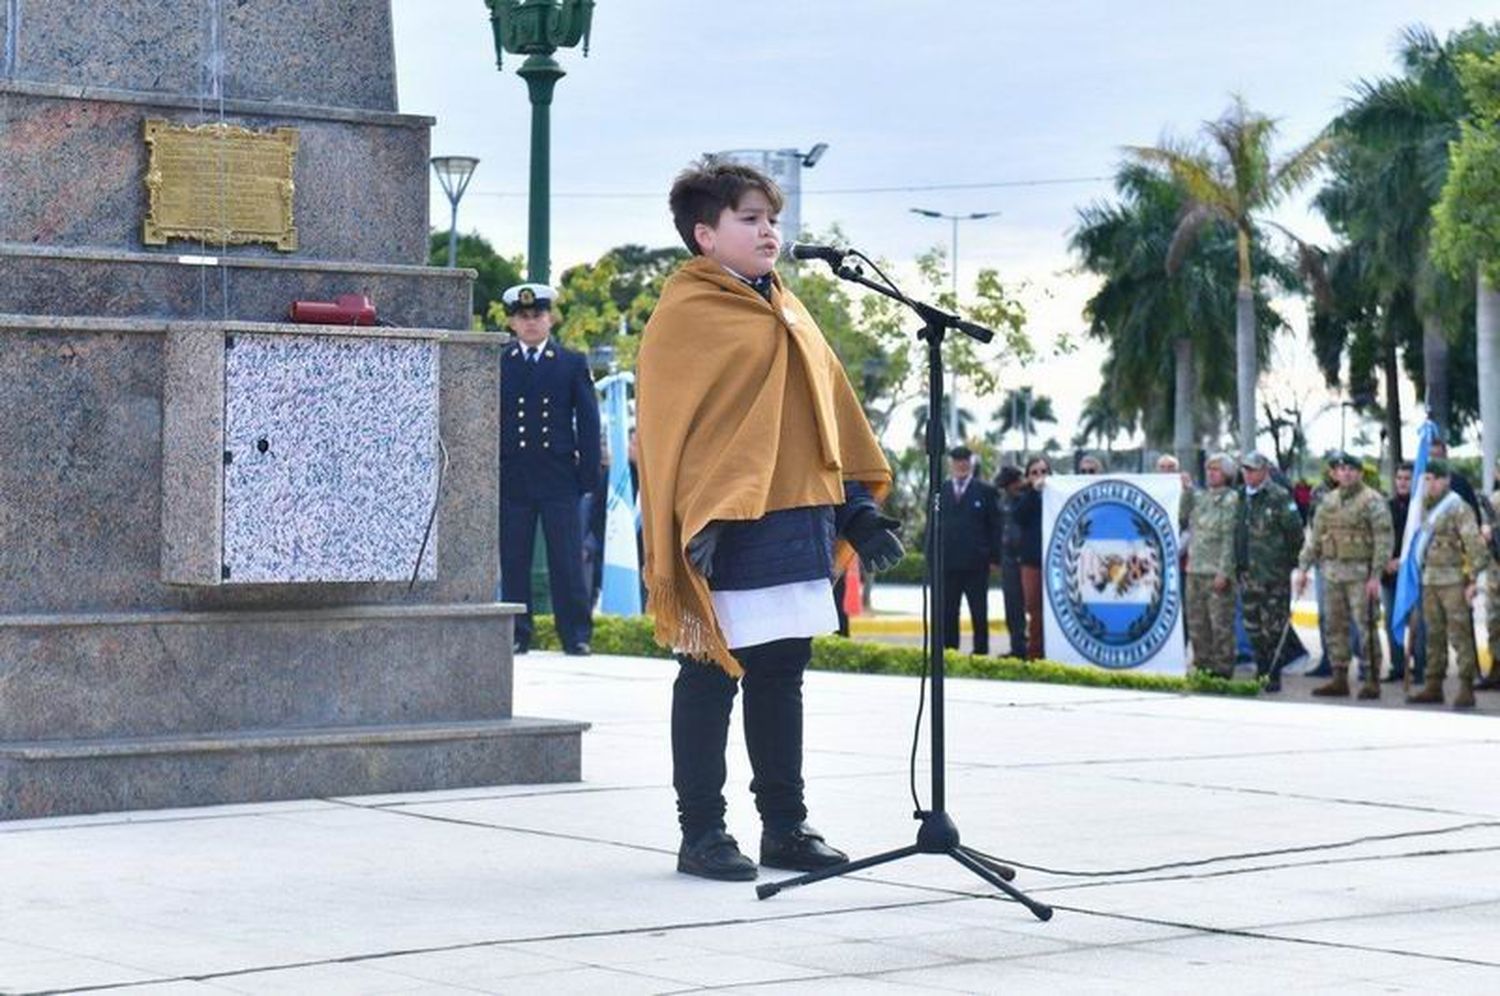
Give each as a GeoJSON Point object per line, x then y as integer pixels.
{"type": "Point", "coordinates": [760, 479]}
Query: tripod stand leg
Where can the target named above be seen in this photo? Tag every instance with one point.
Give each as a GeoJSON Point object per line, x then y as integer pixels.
{"type": "Point", "coordinates": [769, 889]}
{"type": "Point", "coordinates": [1004, 871]}
{"type": "Point", "coordinates": [1039, 910]}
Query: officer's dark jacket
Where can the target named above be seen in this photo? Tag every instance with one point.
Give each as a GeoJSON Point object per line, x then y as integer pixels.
{"type": "Point", "coordinates": [971, 528]}
{"type": "Point", "coordinates": [786, 546]}
{"type": "Point", "coordinates": [549, 424]}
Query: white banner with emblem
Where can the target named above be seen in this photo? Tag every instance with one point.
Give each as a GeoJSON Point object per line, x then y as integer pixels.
{"type": "Point", "coordinates": [1111, 572]}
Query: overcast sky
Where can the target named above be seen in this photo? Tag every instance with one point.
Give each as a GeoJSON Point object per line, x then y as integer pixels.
{"type": "Point", "coordinates": [1024, 104]}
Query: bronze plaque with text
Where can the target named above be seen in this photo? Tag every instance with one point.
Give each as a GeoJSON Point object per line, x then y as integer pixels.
{"type": "Point", "coordinates": [220, 184]}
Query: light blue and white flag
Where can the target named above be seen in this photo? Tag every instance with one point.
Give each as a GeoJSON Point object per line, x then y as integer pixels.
{"type": "Point", "coordinates": [1409, 576]}
{"type": "Point", "coordinates": [621, 595]}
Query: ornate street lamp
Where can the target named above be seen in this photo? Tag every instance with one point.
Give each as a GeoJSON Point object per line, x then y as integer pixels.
{"type": "Point", "coordinates": [454, 173]}
{"type": "Point", "coordinates": [536, 29]}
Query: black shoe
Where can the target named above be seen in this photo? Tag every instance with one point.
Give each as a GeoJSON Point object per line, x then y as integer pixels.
{"type": "Point", "coordinates": [1394, 676]}
{"type": "Point", "coordinates": [521, 647]}
{"type": "Point", "coordinates": [1321, 671]}
{"type": "Point", "coordinates": [580, 650]}
{"type": "Point", "coordinates": [799, 849]}
{"type": "Point", "coordinates": [1273, 681]}
{"type": "Point", "coordinates": [715, 855]}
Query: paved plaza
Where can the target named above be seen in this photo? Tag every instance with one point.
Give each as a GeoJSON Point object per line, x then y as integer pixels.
{"type": "Point", "coordinates": [1192, 843]}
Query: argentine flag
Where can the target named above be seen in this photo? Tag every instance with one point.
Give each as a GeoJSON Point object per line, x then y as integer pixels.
{"type": "Point", "coordinates": [621, 595]}
{"type": "Point", "coordinates": [1409, 576]}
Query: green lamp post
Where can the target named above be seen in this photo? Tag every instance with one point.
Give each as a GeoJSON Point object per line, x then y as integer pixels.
{"type": "Point", "coordinates": [536, 29]}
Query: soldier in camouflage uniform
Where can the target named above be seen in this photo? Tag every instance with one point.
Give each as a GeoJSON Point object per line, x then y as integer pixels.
{"type": "Point", "coordinates": [1210, 515]}
{"type": "Point", "coordinates": [1349, 540]}
{"type": "Point", "coordinates": [1452, 555]}
{"type": "Point", "coordinates": [1267, 537]}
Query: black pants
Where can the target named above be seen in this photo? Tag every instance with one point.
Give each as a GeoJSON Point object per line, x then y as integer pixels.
{"type": "Point", "coordinates": [702, 698]}
{"type": "Point", "coordinates": [564, 535]}
{"type": "Point", "coordinates": [1015, 606]}
{"type": "Point", "coordinates": [975, 586]}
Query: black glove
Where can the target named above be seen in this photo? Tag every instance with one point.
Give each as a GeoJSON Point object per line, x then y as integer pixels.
{"type": "Point", "coordinates": [874, 536]}
{"type": "Point", "coordinates": [701, 548]}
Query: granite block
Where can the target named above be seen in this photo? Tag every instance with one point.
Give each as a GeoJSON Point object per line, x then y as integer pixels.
{"type": "Point", "coordinates": [87, 676]}
{"type": "Point", "coordinates": [80, 490]}
{"type": "Point", "coordinates": [7, 40]}
{"type": "Point", "coordinates": [102, 776]}
{"type": "Point", "coordinates": [192, 483]}
{"type": "Point", "coordinates": [155, 45]}
{"type": "Point", "coordinates": [75, 170]}
{"type": "Point", "coordinates": [39, 281]}
{"type": "Point", "coordinates": [331, 459]}
{"type": "Point", "coordinates": [336, 53]}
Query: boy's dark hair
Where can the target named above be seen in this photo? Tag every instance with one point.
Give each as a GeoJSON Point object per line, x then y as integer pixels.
{"type": "Point", "coordinates": [961, 453]}
{"type": "Point", "coordinates": [703, 190]}
{"type": "Point", "coordinates": [1406, 465]}
{"type": "Point", "coordinates": [1009, 474]}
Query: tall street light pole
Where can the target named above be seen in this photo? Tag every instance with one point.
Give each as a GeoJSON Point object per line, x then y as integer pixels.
{"type": "Point", "coordinates": [454, 173]}
{"type": "Point", "coordinates": [953, 374]}
{"type": "Point", "coordinates": [536, 29]}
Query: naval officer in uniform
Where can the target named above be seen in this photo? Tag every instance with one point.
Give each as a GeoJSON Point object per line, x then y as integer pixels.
{"type": "Point", "coordinates": [549, 458]}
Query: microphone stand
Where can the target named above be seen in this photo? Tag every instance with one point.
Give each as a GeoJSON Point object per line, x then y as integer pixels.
{"type": "Point", "coordinates": [937, 834]}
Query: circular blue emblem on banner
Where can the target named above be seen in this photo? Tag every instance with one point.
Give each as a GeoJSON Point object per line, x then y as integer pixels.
{"type": "Point", "coordinates": [1112, 574]}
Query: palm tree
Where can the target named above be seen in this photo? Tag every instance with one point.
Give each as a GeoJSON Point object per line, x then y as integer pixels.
{"type": "Point", "coordinates": [1101, 421]}
{"type": "Point", "coordinates": [965, 417]}
{"type": "Point", "coordinates": [1231, 184]}
{"type": "Point", "coordinates": [1023, 410]}
{"type": "Point", "coordinates": [1156, 323]}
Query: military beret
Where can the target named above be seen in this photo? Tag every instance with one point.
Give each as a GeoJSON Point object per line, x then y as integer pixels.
{"type": "Point", "coordinates": [538, 296]}
{"type": "Point", "coordinates": [1255, 460]}
{"type": "Point", "coordinates": [1438, 467]}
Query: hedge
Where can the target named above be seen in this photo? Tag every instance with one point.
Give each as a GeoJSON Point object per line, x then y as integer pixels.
{"type": "Point", "coordinates": [912, 569]}
{"type": "Point", "coordinates": [633, 637]}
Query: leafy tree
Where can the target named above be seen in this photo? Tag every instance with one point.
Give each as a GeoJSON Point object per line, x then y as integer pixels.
{"type": "Point", "coordinates": [1232, 183]}
{"type": "Point", "coordinates": [496, 273]}
{"type": "Point", "coordinates": [1468, 229]}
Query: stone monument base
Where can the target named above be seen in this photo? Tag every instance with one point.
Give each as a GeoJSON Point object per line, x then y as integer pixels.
{"type": "Point", "coordinates": [147, 710]}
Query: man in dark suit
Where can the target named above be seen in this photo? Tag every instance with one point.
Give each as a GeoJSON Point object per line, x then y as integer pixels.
{"type": "Point", "coordinates": [549, 458]}
{"type": "Point", "coordinates": [971, 542]}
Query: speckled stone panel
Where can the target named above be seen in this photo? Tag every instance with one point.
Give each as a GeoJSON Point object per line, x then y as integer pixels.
{"type": "Point", "coordinates": [333, 53]}
{"type": "Point", "coordinates": [74, 176]}
{"type": "Point", "coordinates": [66, 681]}
{"type": "Point", "coordinates": [155, 45]}
{"type": "Point", "coordinates": [331, 459]}
{"type": "Point", "coordinates": [192, 486]}
{"type": "Point", "coordinates": [517, 753]}
{"type": "Point", "coordinates": [80, 490]}
{"type": "Point", "coordinates": [140, 285]}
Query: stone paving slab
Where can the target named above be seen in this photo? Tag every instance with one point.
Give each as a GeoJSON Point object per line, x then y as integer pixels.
{"type": "Point", "coordinates": [1307, 848]}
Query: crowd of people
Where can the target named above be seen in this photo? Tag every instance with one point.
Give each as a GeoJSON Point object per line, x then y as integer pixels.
{"type": "Point", "coordinates": [1251, 540]}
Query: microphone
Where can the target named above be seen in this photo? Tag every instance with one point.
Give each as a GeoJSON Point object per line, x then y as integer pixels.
{"type": "Point", "coordinates": [832, 255]}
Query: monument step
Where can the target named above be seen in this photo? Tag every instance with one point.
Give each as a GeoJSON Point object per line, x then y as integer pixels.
{"type": "Point", "coordinates": [250, 740]}
{"type": "Point", "coordinates": [60, 281]}
{"type": "Point", "coordinates": [59, 778]}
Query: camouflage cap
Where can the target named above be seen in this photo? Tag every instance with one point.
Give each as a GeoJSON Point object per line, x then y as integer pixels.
{"type": "Point", "coordinates": [1341, 459]}
{"type": "Point", "coordinates": [1255, 460]}
{"type": "Point", "coordinates": [1438, 467]}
